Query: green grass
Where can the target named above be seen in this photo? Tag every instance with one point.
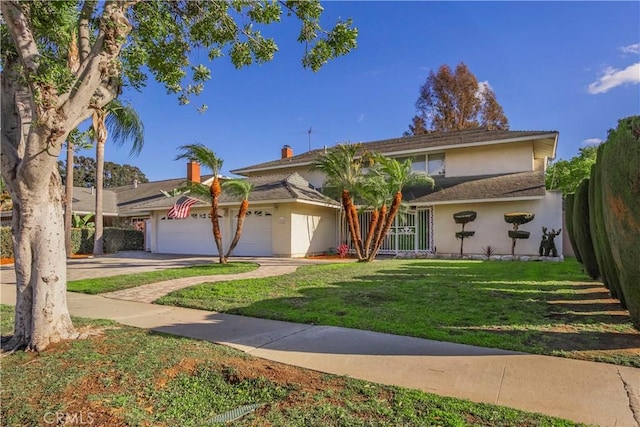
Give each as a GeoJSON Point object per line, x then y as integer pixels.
{"type": "Point", "coordinates": [131, 376]}
{"type": "Point", "coordinates": [125, 281]}
{"type": "Point", "coordinates": [545, 308]}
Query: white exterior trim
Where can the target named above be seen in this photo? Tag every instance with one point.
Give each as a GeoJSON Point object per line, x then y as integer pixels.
{"type": "Point", "coordinates": [457, 202]}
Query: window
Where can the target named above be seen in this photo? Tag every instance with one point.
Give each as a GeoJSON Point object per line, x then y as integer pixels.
{"type": "Point", "coordinates": [418, 163]}
{"type": "Point", "coordinates": [436, 164]}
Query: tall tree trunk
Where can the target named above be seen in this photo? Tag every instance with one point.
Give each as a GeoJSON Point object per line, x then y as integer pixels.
{"type": "Point", "coordinates": [347, 204]}
{"type": "Point", "coordinates": [217, 235]}
{"type": "Point", "coordinates": [100, 129]}
{"type": "Point", "coordinates": [68, 198]}
{"type": "Point", "coordinates": [244, 206]}
{"type": "Point", "coordinates": [393, 210]}
{"type": "Point", "coordinates": [373, 224]}
{"type": "Point", "coordinates": [41, 312]}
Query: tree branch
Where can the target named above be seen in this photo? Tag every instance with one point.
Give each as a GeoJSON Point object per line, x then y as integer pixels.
{"type": "Point", "coordinates": [84, 30]}
{"type": "Point", "coordinates": [21, 33]}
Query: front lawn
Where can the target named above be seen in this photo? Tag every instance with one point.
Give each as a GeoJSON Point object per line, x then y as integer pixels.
{"type": "Point", "coordinates": [130, 376]}
{"type": "Point", "coordinates": [546, 308]}
{"type": "Point", "coordinates": [125, 281]}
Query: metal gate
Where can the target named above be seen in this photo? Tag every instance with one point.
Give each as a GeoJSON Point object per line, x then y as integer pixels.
{"type": "Point", "coordinates": [412, 231]}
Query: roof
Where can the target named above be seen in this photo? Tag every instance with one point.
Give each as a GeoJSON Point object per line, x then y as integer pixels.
{"type": "Point", "coordinates": [84, 201]}
{"type": "Point", "coordinates": [474, 188]}
{"type": "Point", "coordinates": [428, 142]}
{"type": "Point", "coordinates": [289, 187]}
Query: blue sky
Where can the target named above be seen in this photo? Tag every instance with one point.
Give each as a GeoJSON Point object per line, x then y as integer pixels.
{"type": "Point", "coordinates": [573, 67]}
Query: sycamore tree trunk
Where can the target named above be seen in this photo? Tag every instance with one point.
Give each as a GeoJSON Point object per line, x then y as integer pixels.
{"type": "Point", "coordinates": [68, 201]}
{"type": "Point", "coordinates": [33, 132]}
{"type": "Point", "coordinates": [244, 206]}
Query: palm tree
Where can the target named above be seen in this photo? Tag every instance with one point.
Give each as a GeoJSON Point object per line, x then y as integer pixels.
{"type": "Point", "coordinates": [397, 175]}
{"type": "Point", "coordinates": [76, 139]}
{"type": "Point", "coordinates": [207, 158]}
{"type": "Point", "coordinates": [125, 125]}
{"type": "Point", "coordinates": [242, 188]}
{"type": "Point", "coordinates": [343, 171]}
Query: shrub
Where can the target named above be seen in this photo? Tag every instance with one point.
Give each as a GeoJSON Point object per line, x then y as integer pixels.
{"type": "Point", "coordinates": [123, 239]}
{"type": "Point", "coordinates": [621, 198]}
{"type": "Point", "coordinates": [464, 218]}
{"type": "Point", "coordinates": [343, 250]}
{"type": "Point", "coordinates": [6, 243]}
{"type": "Point", "coordinates": [82, 240]}
{"type": "Point", "coordinates": [582, 229]}
{"type": "Point", "coordinates": [569, 200]}
{"type": "Point", "coordinates": [517, 219]}
{"type": "Point", "coordinates": [608, 270]}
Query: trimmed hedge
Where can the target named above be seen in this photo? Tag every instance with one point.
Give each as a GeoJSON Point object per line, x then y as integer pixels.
{"type": "Point", "coordinates": [115, 239]}
{"type": "Point", "coordinates": [582, 229]}
{"type": "Point", "coordinates": [569, 200]}
{"type": "Point", "coordinates": [608, 270]}
{"type": "Point", "coordinates": [123, 239]}
{"type": "Point", "coordinates": [6, 243]}
{"type": "Point", "coordinates": [621, 198]}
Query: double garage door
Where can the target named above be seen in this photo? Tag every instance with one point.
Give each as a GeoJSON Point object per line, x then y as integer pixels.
{"type": "Point", "coordinates": [194, 236]}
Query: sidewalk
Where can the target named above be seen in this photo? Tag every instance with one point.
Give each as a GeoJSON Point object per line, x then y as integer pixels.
{"type": "Point", "coordinates": [588, 392]}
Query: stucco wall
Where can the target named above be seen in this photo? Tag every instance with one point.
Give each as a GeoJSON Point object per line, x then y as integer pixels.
{"type": "Point", "coordinates": [489, 159]}
{"type": "Point", "coordinates": [313, 230]}
{"type": "Point", "coordinates": [491, 229]}
{"type": "Point", "coordinates": [281, 230]}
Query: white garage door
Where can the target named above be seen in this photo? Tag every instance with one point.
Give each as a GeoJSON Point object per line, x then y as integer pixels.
{"type": "Point", "coordinates": [192, 235]}
{"type": "Point", "coordinates": [256, 234]}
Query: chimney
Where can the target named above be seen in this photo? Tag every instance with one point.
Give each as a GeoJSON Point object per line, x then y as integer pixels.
{"type": "Point", "coordinates": [287, 152]}
{"type": "Point", "coordinates": [193, 172]}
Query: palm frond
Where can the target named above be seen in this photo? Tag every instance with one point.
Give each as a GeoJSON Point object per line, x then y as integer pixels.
{"type": "Point", "coordinates": [125, 125]}
{"type": "Point", "coordinates": [238, 187]}
{"type": "Point", "coordinates": [196, 190]}
{"type": "Point", "coordinates": [201, 154]}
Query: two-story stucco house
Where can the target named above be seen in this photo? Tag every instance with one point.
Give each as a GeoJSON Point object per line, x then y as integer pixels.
{"type": "Point", "coordinates": [491, 172]}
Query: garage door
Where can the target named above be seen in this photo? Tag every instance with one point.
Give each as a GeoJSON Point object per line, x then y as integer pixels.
{"type": "Point", "coordinates": [190, 235]}
{"type": "Point", "coordinates": [256, 234]}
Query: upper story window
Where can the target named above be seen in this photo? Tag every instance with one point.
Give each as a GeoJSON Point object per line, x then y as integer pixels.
{"type": "Point", "coordinates": [436, 164]}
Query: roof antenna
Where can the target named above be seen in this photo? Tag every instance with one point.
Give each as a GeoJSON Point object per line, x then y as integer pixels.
{"type": "Point", "coordinates": [309, 132]}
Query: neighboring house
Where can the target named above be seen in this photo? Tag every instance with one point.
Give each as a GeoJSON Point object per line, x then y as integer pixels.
{"type": "Point", "coordinates": [488, 171]}
{"type": "Point", "coordinates": [491, 172]}
{"type": "Point", "coordinates": [286, 218]}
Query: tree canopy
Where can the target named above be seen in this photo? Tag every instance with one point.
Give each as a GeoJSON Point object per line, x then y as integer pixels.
{"type": "Point", "coordinates": [62, 61]}
{"type": "Point", "coordinates": [115, 174]}
{"type": "Point", "coordinates": [455, 100]}
{"type": "Point", "coordinates": [566, 175]}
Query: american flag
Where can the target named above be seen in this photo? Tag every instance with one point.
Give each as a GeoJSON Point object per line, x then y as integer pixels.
{"type": "Point", "coordinates": [181, 209]}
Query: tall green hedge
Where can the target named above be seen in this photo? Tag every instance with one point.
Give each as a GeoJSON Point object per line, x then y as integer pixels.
{"type": "Point", "coordinates": [608, 270]}
{"type": "Point", "coordinates": [582, 231]}
{"type": "Point", "coordinates": [123, 239]}
{"type": "Point", "coordinates": [568, 221]}
{"type": "Point", "coordinates": [6, 243]}
{"type": "Point", "coordinates": [621, 197]}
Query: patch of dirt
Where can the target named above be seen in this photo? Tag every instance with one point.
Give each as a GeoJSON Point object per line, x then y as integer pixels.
{"type": "Point", "coordinates": [185, 365]}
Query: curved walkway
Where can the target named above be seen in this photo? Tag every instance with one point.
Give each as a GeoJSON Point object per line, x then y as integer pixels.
{"type": "Point", "coordinates": [152, 291]}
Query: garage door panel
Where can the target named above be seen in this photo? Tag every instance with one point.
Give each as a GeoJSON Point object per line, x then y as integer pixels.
{"type": "Point", "coordinates": [256, 233]}
{"type": "Point", "coordinates": [191, 236]}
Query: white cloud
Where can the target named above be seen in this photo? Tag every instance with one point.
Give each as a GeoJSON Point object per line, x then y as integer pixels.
{"type": "Point", "coordinates": [632, 48]}
{"type": "Point", "coordinates": [613, 77]}
{"type": "Point", "coordinates": [361, 117]}
{"type": "Point", "coordinates": [592, 141]}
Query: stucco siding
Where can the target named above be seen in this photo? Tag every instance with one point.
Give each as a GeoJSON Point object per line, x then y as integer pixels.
{"type": "Point", "coordinates": [313, 230]}
{"type": "Point", "coordinates": [489, 159]}
{"type": "Point", "coordinates": [491, 229]}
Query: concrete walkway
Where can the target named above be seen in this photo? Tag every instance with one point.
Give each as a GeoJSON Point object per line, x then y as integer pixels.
{"type": "Point", "coordinates": [588, 392]}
